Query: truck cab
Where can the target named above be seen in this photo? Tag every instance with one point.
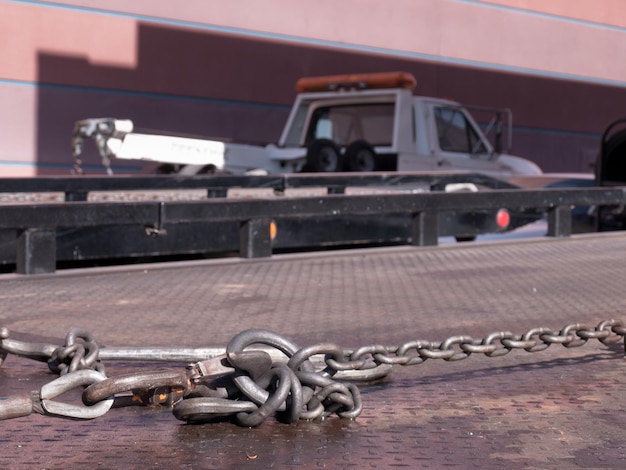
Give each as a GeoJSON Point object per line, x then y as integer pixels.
{"type": "Point", "coordinates": [374, 122]}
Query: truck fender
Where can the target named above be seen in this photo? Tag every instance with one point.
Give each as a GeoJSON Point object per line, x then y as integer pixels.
{"type": "Point", "coordinates": [519, 166]}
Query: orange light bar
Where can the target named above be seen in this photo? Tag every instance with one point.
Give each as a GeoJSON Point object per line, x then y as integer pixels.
{"type": "Point", "coordinates": [357, 81]}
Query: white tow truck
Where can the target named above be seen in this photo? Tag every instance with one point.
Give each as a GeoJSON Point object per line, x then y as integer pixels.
{"type": "Point", "coordinates": [364, 122]}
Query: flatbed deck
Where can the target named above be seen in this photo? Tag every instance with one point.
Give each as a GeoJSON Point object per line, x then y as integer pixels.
{"type": "Point", "coordinates": [558, 408]}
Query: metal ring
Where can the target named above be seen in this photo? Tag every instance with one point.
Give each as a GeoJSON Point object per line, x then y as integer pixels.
{"type": "Point", "coordinates": [287, 382]}
{"type": "Point", "coordinates": [208, 409]}
{"type": "Point", "coordinates": [257, 336]}
{"type": "Point", "coordinates": [329, 349]}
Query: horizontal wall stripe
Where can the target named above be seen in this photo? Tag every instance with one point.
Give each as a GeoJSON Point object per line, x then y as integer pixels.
{"type": "Point", "coordinates": [359, 48]}
{"type": "Point", "coordinates": [559, 132]}
{"type": "Point", "coordinates": [244, 104]}
{"type": "Point", "coordinates": [540, 14]}
{"type": "Point", "coordinates": [142, 94]}
{"type": "Point", "coordinates": [240, 103]}
{"type": "Point", "coordinates": [67, 167]}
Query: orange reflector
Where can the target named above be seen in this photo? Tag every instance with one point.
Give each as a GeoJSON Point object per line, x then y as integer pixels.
{"type": "Point", "coordinates": [273, 230]}
{"type": "Point", "coordinates": [357, 81]}
{"type": "Point", "coordinates": [503, 218]}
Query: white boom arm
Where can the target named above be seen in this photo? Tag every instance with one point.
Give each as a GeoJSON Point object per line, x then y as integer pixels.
{"type": "Point", "coordinates": [115, 138]}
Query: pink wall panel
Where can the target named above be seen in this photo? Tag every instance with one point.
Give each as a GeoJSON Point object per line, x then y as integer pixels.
{"type": "Point", "coordinates": [26, 31]}
{"type": "Point", "coordinates": [462, 30]}
{"type": "Point", "coordinates": [227, 69]}
{"type": "Point", "coordinates": [607, 12]}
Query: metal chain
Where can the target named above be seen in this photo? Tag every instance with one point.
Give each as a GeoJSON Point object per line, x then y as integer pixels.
{"type": "Point", "coordinates": [496, 344]}
{"type": "Point", "coordinates": [259, 374]}
{"type": "Point", "coordinates": [80, 352]}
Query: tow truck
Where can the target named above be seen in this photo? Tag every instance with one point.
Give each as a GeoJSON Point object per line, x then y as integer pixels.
{"type": "Point", "coordinates": [359, 123]}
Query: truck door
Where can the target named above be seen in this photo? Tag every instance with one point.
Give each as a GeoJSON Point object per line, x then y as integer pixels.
{"type": "Point", "coordinates": [461, 145]}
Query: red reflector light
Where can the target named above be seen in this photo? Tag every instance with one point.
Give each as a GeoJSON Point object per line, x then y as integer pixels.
{"type": "Point", "coordinates": [503, 218]}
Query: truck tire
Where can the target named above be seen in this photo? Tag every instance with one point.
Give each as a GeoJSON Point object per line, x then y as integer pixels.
{"type": "Point", "coordinates": [361, 156]}
{"type": "Point", "coordinates": [323, 156]}
{"type": "Point", "coordinates": [207, 170]}
{"type": "Point", "coordinates": [614, 159]}
{"type": "Point", "coordinates": [167, 169]}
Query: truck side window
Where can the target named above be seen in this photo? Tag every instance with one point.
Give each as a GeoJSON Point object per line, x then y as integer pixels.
{"type": "Point", "coordinates": [455, 133]}
{"type": "Point", "coordinates": [344, 124]}
{"type": "Point", "coordinates": [324, 127]}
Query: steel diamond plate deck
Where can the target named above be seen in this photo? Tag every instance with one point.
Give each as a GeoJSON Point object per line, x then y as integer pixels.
{"type": "Point", "coordinates": [560, 408]}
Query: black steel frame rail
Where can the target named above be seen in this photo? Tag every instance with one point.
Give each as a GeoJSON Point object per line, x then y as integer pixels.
{"type": "Point", "coordinates": [77, 188]}
{"type": "Point", "coordinates": [36, 224]}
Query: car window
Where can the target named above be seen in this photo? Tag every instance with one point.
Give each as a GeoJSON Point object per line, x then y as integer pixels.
{"type": "Point", "coordinates": [344, 124]}
{"type": "Point", "coordinates": [455, 133]}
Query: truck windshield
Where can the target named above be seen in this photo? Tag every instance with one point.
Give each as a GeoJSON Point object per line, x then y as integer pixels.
{"type": "Point", "coordinates": [455, 133]}
{"type": "Point", "coordinates": [343, 124]}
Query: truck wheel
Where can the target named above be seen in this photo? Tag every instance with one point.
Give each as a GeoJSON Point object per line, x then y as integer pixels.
{"type": "Point", "coordinates": [208, 170]}
{"type": "Point", "coordinates": [167, 169]}
{"type": "Point", "coordinates": [361, 156]}
{"type": "Point", "coordinates": [323, 156]}
{"type": "Point", "coordinates": [614, 159]}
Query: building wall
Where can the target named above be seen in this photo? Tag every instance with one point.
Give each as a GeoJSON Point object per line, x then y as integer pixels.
{"type": "Point", "coordinates": [227, 69]}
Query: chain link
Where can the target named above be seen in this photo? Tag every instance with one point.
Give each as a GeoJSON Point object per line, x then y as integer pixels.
{"type": "Point", "coordinates": [260, 374]}
{"type": "Point", "coordinates": [80, 352]}
{"type": "Point", "coordinates": [496, 344]}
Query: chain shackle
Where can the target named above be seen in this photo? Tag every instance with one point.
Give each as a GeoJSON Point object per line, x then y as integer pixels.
{"type": "Point", "coordinates": [147, 388]}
